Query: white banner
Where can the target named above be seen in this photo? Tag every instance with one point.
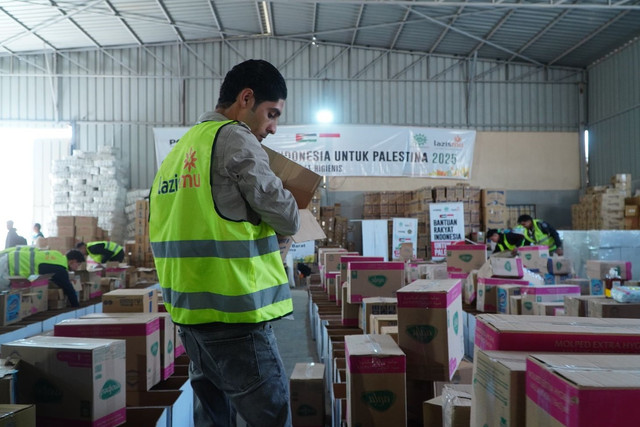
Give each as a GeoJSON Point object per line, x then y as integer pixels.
{"type": "Point", "coordinates": [358, 150]}
{"type": "Point", "coordinates": [447, 227]}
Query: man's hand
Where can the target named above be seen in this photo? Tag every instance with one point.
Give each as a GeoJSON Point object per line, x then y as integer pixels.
{"type": "Point", "coordinates": [559, 251]}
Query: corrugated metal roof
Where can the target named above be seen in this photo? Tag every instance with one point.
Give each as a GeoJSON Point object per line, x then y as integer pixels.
{"type": "Point", "coordinates": [547, 32]}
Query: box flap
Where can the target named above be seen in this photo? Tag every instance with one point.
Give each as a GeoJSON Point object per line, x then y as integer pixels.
{"type": "Point", "coordinates": [300, 181]}
{"type": "Point", "coordinates": [309, 228]}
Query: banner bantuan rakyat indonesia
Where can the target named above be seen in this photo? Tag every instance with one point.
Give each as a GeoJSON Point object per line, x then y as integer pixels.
{"type": "Point", "coordinates": [360, 150]}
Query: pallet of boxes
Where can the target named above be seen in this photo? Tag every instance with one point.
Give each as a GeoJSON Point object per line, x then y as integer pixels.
{"type": "Point", "coordinates": [142, 255]}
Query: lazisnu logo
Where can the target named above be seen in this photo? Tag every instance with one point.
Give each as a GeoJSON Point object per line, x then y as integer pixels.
{"type": "Point", "coordinates": [380, 400]}
{"type": "Point", "coordinates": [422, 333]}
{"type": "Point", "coordinates": [187, 180]}
{"type": "Point", "coordinates": [110, 389]}
{"type": "Point", "coordinates": [378, 280]}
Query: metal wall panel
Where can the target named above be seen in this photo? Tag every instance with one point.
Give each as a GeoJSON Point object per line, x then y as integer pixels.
{"type": "Point", "coordinates": [116, 97]}
{"type": "Point", "coordinates": [614, 115]}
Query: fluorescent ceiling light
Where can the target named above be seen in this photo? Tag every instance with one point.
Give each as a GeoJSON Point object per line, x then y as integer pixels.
{"type": "Point", "coordinates": [324, 116]}
{"type": "Point", "coordinates": [265, 16]}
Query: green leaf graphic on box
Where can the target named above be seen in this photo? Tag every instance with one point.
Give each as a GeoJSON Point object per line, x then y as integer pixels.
{"type": "Point", "coordinates": [110, 389]}
{"type": "Point", "coordinates": [507, 265]}
{"type": "Point", "coordinates": [170, 347]}
{"type": "Point", "coordinates": [354, 274]}
{"type": "Point", "coordinates": [528, 256]}
{"type": "Point", "coordinates": [306, 411]}
{"type": "Point", "coordinates": [465, 257]}
{"type": "Point", "coordinates": [480, 292]}
{"type": "Point", "coordinates": [422, 333]}
{"type": "Point", "coordinates": [455, 323]}
{"type": "Point", "coordinates": [380, 400]}
{"type": "Point", "coordinates": [40, 294]}
{"type": "Point", "coordinates": [46, 392]}
{"type": "Point", "coordinates": [528, 305]}
{"type": "Point", "coordinates": [154, 348]}
{"type": "Point", "coordinates": [558, 265]}
{"type": "Point", "coordinates": [378, 280]}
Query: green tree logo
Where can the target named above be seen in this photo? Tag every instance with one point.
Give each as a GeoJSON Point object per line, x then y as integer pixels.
{"type": "Point", "coordinates": [380, 400]}
{"type": "Point", "coordinates": [422, 333]}
{"type": "Point", "coordinates": [378, 280]}
{"type": "Point", "coordinates": [110, 389]}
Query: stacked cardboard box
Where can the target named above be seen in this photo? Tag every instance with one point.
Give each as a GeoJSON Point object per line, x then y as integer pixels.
{"type": "Point", "coordinates": [632, 213]}
{"type": "Point", "coordinates": [494, 209]}
{"type": "Point", "coordinates": [142, 255]}
{"type": "Point", "coordinates": [72, 229]}
{"type": "Point", "coordinates": [603, 208]}
{"type": "Point", "coordinates": [514, 211]}
{"type": "Point", "coordinates": [130, 210]}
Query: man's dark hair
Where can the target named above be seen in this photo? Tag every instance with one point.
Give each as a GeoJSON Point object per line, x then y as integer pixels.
{"type": "Point", "coordinates": [263, 78]}
{"type": "Point", "coordinates": [523, 218]}
{"type": "Point", "coordinates": [37, 225]}
{"type": "Point", "coordinates": [80, 244]}
{"type": "Point", "coordinates": [491, 232]}
{"type": "Point", "coordinates": [74, 254]}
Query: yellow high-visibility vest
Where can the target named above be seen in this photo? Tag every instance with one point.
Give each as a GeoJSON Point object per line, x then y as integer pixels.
{"type": "Point", "coordinates": [211, 269]}
{"type": "Point", "coordinates": [24, 260]}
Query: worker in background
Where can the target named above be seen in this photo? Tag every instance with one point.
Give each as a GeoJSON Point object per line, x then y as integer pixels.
{"type": "Point", "coordinates": [13, 239]}
{"type": "Point", "coordinates": [213, 236]}
{"type": "Point", "coordinates": [102, 252]}
{"type": "Point", "coordinates": [539, 232]}
{"type": "Point", "coordinates": [25, 261]}
{"type": "Point", "coordinates": [37, 233]}
{"type": "Point", "coordinates": [507, 240]}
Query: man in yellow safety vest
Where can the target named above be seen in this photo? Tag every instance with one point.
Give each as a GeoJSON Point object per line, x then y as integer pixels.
{"type": "Point", "coordinates": [539, 232]}
{"type": "Point", "coordinates": [215, 208]}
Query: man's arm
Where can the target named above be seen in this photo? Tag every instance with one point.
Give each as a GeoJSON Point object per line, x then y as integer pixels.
{"type": "Point", "coordinates": [546, 228]}
{"type": "Point", "coordinates": [248, 165]}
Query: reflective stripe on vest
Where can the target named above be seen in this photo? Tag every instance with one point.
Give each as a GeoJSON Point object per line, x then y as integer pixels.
{"type": "Point", "coordinates": [542, 238]}
{"type": "Point", "coordinates": [24, 260]}
{"type": "Point", "coordinates": [108, 246]}
{"type": "Point", "coordinates": [505, 245]}
{"type": "Point", "coordinates": [211, 269]}
{"type": "Point", "coordinates": [215, 248]}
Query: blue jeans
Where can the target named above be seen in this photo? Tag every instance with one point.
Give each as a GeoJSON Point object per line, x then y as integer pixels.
{"type": "Point", "coordinates": [237, 367]}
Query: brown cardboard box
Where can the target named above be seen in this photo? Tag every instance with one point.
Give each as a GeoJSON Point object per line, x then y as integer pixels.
{"type": "Point", "coordinates": [505, 292]}
{"type": "Point", "coordinates": [465, 258]}
{"type": "Point", "coordinates": [499, 388]}
{"type": "Point", "coordinates": [66, 221]}
{"type": "Point", "coordinates": [545, 293]}
{"type": "Point", "coordinates": [309, 230]}
{"type": "Point", "coordinates": [392, 331]}
{"type": "Point", "coordinates": [585, 285]}
{"type": "Point", "coordinates": [167, 336]}
{"type": "Point", "coordinates": [377, 321]}
{"type": "Point", "coordinates": [432, 412]}
{"type": "Point", "coordinates": [17, 415]}
{"type": "Point", "coordinates": [535, 257]}
{"type": "Point", "coordinates": [606, 307]}
{"type": "Point", "coordinates": [61, 244]}
{"type": "Point", "coordinates": [375, 381]}
{"type": "Point", "coordinates": [307, 395]}
{"type": "Point", "coordinates": [463, 375]}
{"type": "Point", "coordinates": [376, 305]}
{"type": "Point", "coordinates": [600, 269]}
{"type": "Point", "coordinates": [557, 334]}
{"type": "Point", "coordinates": [374, 279]}
{"type": "Point", "coordinates": [456, 405]}
{"type": "Point", "coordinates": [430, 328]}
{"type": "Point", "coordinates": [494, 197]}
{"type": "Point", "coordinates": [547, 308]}
{"type": "Point", "coordinates": [66, 231]}
{"type": "Point", "coordinates": [578, 306]}
{"type": "Point", "coordinates": [86, 221]}
{"type": "Point", "coordinates": [8, 377]}
{"type": "Point", "coordinates": [582, 390]}
{"type": "Point", "coordinates": [300, 181]}
{"type": "Point", "coordinates": [350, 312]}
{"type": "Point", "coordinates": [69, 368]}
{"type": "Point", "coordinates": [142, 338]}
{"type": "Point", "coordinates": [494, 216]}
{"type": "Point", "coordinates": [130, 301]}
{"type": "Point", "coordinates": [515, 304]}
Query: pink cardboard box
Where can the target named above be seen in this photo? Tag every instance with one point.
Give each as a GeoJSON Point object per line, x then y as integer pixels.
{"type": "Point", "coordinates": [430, 329]}
{"type": "Point", "coordinates": [374, 279]}
{"type": "Point", "coordinates": [464, 258]}
{"type": "Point", "coordinates": [572, 390]}
{"type": "Point", "coordinates": [545, 293]}
{"type": "Point", "coordinates": [562, 334]}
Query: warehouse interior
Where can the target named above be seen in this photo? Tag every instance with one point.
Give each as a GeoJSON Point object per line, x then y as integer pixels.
{"type": "Point", "coordinates": [549, 90]}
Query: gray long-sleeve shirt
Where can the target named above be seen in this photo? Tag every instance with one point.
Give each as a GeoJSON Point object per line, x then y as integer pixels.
{"type": "Point", "coordinates": [244, 186]}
